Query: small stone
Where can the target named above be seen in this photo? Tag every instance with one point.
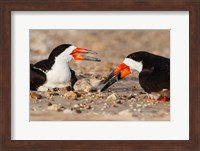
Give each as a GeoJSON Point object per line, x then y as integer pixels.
{"type": "Point", "coordinates": [133, 99]}
{"type": "Point", "coordinates": [138, 105]}
{"type": "Point", "coordinates": [33, 109]}
{"type": "Point", "coordinates": [71, 95]}
{"type": "Point", "coordinates": [62, 108]}
{"type": "Point", "coordinates": [67, 111]}
{"type": "Point", "coordinates": [89, 107]}
{"type": "Point", "coordinates": [55, 89]}
{"type": "Point", "coordinates": [119, 102]}
{"type": "Point", "coordinates": [114, 105]}
{"type": "Point", "coordinates": [78, 111]}
{"type": "Point", "coordinates": [139, 110]}
{"type": "Point", "coordinates": [112, 97]}
{"type": "Point", "coordinates": [76, 106]}
{"type": "Point", "coordinates": [52, 94]}
{"type": "Point", "coordinates": [68, 88]}
{"type": "Point", "coordinates": [130, 96]}
{"type": "Point", "coordinates": [54, 107]}
{"type": "Point", "coordinates": [49, 104]}
{"type": "Point", "coordinates": [35, 96]}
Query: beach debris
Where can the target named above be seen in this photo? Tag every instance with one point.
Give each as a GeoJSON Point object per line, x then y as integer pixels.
{"type": "Point", "coordinates": [87, 84]}
{"type": "Point", "coordinates": [138, 105]}
{"type": "Point", "coordinates": [55, 107]}
{"type": "Point", "coordinates": [49, 94]}
{"type": "Point", "coordinates": [71, 95]}
{"type": "Point", "coordinates": [80, 107]}
{"type": "Point", "coordinates": [131, 96]}
{"type": "Point", "coordinates": [78, 111]}
{"type": "Point", "coordinates": [35, 95]}
{"type": "Point", "coordinates": [67, 111]}
{"type": "Point", "coordinates": [49, 103]}
{"type": "Point", "coordinates": [112, 97]}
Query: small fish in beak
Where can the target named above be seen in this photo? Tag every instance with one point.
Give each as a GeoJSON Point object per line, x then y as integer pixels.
{"type": "Point", "coordinates": [119, 73]}
{"type": "Point", "coordinates": [76, 54]}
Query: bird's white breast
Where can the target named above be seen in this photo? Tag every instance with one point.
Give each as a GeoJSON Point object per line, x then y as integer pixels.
{"type": "Point", "coordinates": [59, 76]}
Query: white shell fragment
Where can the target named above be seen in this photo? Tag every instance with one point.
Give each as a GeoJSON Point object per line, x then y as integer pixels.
{"type": "Point", "coordinates": [87, 84]}
{"type": "Point", "coordinates": [112, 97]}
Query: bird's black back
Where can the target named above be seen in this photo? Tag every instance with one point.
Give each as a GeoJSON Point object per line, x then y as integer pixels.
{"type": "Point", "coordinates": [37, 78]}
{"type": "Point", "coordinates": [155, 74]}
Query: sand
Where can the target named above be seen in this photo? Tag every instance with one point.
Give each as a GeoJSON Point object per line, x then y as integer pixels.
{"type": "Point", "coordinates": [128, 100]}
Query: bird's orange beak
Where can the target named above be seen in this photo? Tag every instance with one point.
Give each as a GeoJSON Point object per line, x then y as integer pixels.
{"type": "Point", "coordinates": [123, 69]}
{"type": "Point", "coordinates": [76, 53]}
{"type": "Point", "coordinates": [120, 72]}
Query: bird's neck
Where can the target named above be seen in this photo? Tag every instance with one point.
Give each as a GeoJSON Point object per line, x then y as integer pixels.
{"type": "Point", "coordinates": [60, 65]}
{"type": "Point", "coordinates": [134, 65]}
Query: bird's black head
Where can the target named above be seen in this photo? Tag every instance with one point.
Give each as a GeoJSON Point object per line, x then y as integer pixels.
{"type": "Point", "coordinates": [133, 61]}
{"type": "Point", "coordinates": [139, 56]}
{"type": "Point", "coordinates": [66, 52]}
{"type": "Point", "coordinates": [58, 50]}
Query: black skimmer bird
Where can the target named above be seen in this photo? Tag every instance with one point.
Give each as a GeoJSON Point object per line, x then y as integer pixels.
{"type": "Point", "coordinates": [54, 72]}
{"type": "Point", "coordinates": [154, 73]}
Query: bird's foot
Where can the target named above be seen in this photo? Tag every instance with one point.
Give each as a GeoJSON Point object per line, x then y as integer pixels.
{"type": "Point", "coordinates": [153, 96]}
{"type": "Point", "coordinates": [164, 98]}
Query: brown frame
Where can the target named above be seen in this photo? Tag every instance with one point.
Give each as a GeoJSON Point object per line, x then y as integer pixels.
{"type": "Point", "coordinates": [6, 6]}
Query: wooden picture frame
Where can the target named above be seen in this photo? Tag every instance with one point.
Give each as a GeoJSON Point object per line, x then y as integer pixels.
{"type": "Point", "coordinates": [7, 6]}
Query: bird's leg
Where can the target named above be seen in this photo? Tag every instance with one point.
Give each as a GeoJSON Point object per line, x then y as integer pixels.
{"type": "Point", "coordinates": [164, 98]}
{"type": "Point", "coordinates": [157, 96]}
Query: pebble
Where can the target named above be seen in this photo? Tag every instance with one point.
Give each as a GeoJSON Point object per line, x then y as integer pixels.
{"type": "Point", "coordinates": [114, 105]}
{"type": "Point", "coordinates": [119, 102]}
{"type": "Point", "coordinates": [133, 99]}
{"type": "Point", "coordinates": [54, 107]}
{"type": "Point", "coordinates": [62, 108]}
{"type": "Point", "coordinates": [78, 111]}
{"type": "Point", "coordinates": [76, 106]}
{"type": "Point", "coordinates": [138, 105]}
{"type": "Point", "coordinates": [52, 94]}
{"type": "Point", "coordinates": [67, 111]}
{"type": "Point", "coordinates": [33, 109]}
{"type": "Point", "coordinates": [49, 104]}
{"type": "Point", "coordinates": [35, 95]}
{"type": "Point", "coordinates": [130, 96]}
{"type": "Point", "coordinates": [70, 95]}
{"type": "Point", "coordinates": [112, 97]}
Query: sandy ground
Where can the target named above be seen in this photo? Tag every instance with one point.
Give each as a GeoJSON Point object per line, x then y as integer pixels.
{"type": "Point", "coordinates": [125, 100]}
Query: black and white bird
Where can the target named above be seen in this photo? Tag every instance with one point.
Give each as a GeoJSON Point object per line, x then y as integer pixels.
{"type": "Point", "coordinates": [154, 73]}
{"type": "Point", "coordinates": [55, 72]}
